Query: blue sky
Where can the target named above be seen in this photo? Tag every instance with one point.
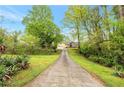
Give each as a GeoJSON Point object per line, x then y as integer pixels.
{"type": "Point", "coordinates": [13, 16]}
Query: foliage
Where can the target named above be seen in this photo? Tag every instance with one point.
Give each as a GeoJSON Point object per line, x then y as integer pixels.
{"type": "Point", "coordinates": [106, 74]}
{"type": "Point", "coordinates": [9, 66]}
{"type": "Point", "coordinates": [41, 33]}
{"type": "Point", "coordinates": [104, 43]}
{"type": "Point", "coordinates": [38, 63]}
{"type": "Point", "coordinates": [39, 24]}
{"type": "Point", "coordinates": [2, 35]}
{"type": "Point", "coordinates": [1, 40]}
{"type": "Point", "coordinates": [73, 20]}
{"type": "Point", "coordinates": [38, 13]}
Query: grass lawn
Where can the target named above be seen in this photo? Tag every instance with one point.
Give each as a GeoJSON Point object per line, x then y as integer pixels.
{"type": "Point", "coordinates": [104, 73]}
{"type": "Point", "coordinates": [38, 63]}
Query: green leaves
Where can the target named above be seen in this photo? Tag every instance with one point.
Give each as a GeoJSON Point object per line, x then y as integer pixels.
{"type": "Point", "coordinates": [105, 43]}
{"type": "Point", "coordinates": [74, 17]}
{"type": "Point", "coordinates": [40, 25]}
{"type": "Point", "coordinates": [1, 40]}
{"type": "Point", "coordinates": [9, 66]}
{"type": "Point", "coordinates": [2, 35]}
{"type": "Point", "coordinates": [38, 13]}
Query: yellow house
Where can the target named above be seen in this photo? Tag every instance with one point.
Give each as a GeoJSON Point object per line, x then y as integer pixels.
{"type": "Point", "coordinates": [61, 46]}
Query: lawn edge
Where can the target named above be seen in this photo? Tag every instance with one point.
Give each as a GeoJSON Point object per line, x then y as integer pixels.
{"type": "Point", "coordinates": [42, 71]}
{"type": "Point", "coordinates": [96, 77]}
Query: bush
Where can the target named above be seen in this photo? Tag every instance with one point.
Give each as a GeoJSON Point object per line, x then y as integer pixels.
{"type": "Point", "coordinates": [119, 71]}
{"type": "Point", "coordinates": [2, 74]}
{"type": "Point", "coordinates": [87, 50]}
{"type": "Point", "coordinates": [31, 50]}
{"type": "Point", "coordinates": [22, 61]}
{"type": "Point", "coordinates": [101, 60]}
{"type": "Point", "coordinates": [7, 61]}
{"type": "Point", "coordinates": [9, 66]}
{"type": "Point", "coordinates": [93, 58]}
{"type": "Point", "coordinates": [109, 53]}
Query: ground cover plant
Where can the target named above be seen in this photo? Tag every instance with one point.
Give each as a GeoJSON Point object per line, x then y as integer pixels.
{"type": "Point", "coordinates": [10, 66]}
{"type": "Point", "coordinates": [38, 63]}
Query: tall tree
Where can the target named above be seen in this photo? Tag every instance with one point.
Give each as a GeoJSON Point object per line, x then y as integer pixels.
{"type": "Point", "coordinates": [15, 37]}
{"type": "Point", "coordinates": [39, 23]}
{"type": "Point", "coordinates": [72, 20]}
{"type": "Point", "coordinates": [121, 11]}
{"type": "Point", "coordinates": [2, 35]}
{"type": "Point", "coordinates": [106, 22]}
{"type": "Point", "coordinates": [118, 11]}
{"type": "Point", "coordinates": [38, 13]}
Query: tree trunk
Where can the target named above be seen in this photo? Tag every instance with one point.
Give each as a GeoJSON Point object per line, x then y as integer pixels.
{"type": "Point", "coordinates": [78, 35]}
{"type": "Point", "coordinates": [106, 17]}
{"type": "Point", "coordinates": [121, 11]}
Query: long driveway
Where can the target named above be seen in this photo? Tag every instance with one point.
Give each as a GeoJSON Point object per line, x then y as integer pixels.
{"type": "Point", "coordinates": [65, 73]}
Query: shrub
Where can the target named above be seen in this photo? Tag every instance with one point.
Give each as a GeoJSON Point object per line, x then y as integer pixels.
{"type": "Point", "coordinates": [7, 61]}
{"type": "Point", "coordinates": [119, 71]}
{"type": "Point", "coordinates": [87, 50]}
{"type": "Point", "coordinates": [2, 74]}
{"type": "Point", "coordinates": [93, 58]}
{"type": "Point", "coordinates": [22, 61]}
{"type": "Point", "coordinates": [101, 60]}
{"type": "Point", "coordinates": [9, 66]}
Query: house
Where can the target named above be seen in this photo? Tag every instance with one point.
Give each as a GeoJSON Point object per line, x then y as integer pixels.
{"type": "Point", "coordinates": [61, 46]}
{"type": "Point", "coordinates": [72, 44]}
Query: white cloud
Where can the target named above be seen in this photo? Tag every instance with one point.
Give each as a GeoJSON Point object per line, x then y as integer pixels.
{"type": "Point", "coordinates": [11, 15]}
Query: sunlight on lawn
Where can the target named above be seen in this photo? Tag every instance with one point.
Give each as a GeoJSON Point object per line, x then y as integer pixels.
{"type": "Point", "coordinates": [104, 73]}
{"type": "Point", "coordinates": [38, 64]}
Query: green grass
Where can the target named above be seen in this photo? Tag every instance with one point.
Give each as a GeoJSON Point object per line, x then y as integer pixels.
{"type": "Point", "coordinates": [104, 73]}
{"type": "Point", "coordinates": [38, 63]}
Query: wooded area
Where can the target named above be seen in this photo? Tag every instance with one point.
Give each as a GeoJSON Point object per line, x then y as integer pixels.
{"type": "Point", "coordinates": [99, 31]}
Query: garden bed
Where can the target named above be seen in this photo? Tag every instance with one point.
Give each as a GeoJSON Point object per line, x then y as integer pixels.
{"type": "Point", "coordinates": [10, 66]}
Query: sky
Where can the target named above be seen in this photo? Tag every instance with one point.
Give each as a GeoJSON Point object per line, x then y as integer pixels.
{"type": "Point", "coordinates": [13, 16]}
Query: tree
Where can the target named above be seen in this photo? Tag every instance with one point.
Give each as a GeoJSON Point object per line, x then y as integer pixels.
{"type": "Point", "coordinates": [2, 35]}
{"type": "Point", "coordinates": [121, 11]}
{"type": "Point", "coordinates": [15, 40]}
{"type": "Point", "coordinates": [106, 22]}
{"type": "Point", "coordinates": [30, 43]}
{"type": "Point", "coordinates": [118, 11]}
{"type": "Point", "coordinates": [73, 18]}
{"type": "Point", "coordinates": [39, 24]}
{"type": "Point", "coordinates": [38, 13]}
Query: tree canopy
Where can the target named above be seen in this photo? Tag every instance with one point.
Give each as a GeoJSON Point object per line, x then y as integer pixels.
{"type": "Point", "coordinates": [39, 23]}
